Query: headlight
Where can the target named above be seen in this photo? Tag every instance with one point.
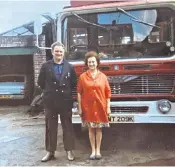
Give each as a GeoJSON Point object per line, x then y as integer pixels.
{"type": "Point", "coordinates": [164, 106]}
{"type": "Point", "coordinates": [116, 67]}
{"type": "Point", "coordinates": [168, 43]}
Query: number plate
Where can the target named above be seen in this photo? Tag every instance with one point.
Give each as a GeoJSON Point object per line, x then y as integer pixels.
{"type": "Point", "coordinates": [5, 96]}
{"type": "Point", "coordinates": [121, 119]}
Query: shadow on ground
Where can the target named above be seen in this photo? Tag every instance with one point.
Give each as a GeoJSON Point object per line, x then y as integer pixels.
{"type": "Point", "coordinates": [22, 143]}
{"type": "Point", "coordinates": [159, 162]}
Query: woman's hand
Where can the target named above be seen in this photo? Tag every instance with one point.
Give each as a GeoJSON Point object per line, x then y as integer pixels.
{"type": "Point", "coordinates": [79, 104]}
{"type": "Point", "coordinates": [80, 112]}
{"type": "Point", "coordinates": [108, 110]}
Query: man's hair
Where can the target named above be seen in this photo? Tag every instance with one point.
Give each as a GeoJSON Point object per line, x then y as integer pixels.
{"type": "Point", "coordinates": [56, 44]}
{"type": "Point", "coordinates": [92, 54]}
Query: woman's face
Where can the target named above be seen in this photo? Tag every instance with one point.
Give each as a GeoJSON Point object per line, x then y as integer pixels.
{"type": "Point", "coordinates": [92, 63]}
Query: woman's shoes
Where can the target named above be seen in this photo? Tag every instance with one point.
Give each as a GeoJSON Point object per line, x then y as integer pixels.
{"type": "Point", "coordinates": [93, 157]}
{"type": "Point", "coordinates": [98, 156]}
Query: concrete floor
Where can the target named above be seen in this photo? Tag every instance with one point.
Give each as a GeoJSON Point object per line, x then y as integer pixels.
{"type": "Point", "coordinates": [22, 143]}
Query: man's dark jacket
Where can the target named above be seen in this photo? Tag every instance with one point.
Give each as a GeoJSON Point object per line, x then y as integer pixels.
{"type": "Point", "coordinates": [57, 94]}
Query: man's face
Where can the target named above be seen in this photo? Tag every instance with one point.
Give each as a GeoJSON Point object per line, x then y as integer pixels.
{"type": "Point", "coordinates": [92, 63]}
{"type": "Point", "coordinates": [58, 53]}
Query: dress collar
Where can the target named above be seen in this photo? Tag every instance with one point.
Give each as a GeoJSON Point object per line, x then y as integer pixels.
{"type": "Point", "coordinates": [89, 74]}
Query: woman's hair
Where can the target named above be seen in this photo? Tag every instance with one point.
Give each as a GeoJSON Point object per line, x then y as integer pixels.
{"type": "Point", "coordinates": [92, 54]}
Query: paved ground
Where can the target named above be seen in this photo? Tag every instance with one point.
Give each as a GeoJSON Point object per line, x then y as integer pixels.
{"type": "Point", "coordinates": [22, 143]}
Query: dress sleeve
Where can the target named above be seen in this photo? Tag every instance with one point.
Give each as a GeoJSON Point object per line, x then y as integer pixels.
{"type": "Point", "coordinates": [79, 85]}
{"type": "Point", "coordinates": [107, 89]}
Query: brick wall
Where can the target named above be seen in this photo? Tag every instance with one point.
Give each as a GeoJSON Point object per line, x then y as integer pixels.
{"type": "Point", "coordinates": [38, 60]}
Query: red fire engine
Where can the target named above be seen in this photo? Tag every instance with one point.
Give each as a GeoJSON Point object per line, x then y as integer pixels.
{"type": "Point", "coordinates": [135, 39]}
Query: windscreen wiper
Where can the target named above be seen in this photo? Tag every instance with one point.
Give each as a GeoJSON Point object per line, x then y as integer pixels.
{"type": "Point", "coordinates": [136, 19]}
{"type": "Point", "coordinates": [85, 21]}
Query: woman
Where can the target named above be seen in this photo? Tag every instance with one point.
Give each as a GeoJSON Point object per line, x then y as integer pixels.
{"type": "Point", "coordinates": [94, 101]}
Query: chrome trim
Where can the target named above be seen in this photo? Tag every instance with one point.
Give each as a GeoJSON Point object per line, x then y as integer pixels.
{"type": "Point", "coordinates": [153, 60]}
{"type": "Point", "coordinates": [151, 116]}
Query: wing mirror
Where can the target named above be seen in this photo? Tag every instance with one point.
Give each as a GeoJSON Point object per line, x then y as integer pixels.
{"type": "Point", "coordinates": [38, 29]}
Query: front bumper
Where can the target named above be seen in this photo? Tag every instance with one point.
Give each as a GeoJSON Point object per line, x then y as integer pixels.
{"type": "Point", "coordinates": [153, 115]}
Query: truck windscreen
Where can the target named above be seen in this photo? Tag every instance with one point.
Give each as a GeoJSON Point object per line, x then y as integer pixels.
{"type": "Point", "coordinates": [121, 34]}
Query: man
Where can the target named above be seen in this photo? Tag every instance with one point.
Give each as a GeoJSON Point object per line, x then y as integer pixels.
{"type": "Point", "coordinates": [57, 78]}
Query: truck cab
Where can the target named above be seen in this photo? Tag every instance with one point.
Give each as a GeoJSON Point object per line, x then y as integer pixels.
{"type": "Point", "coordinates": [136, 44]}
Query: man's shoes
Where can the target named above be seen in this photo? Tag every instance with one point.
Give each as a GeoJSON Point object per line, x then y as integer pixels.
{"type": "Point", "coordinates": [70, 156]}
{"type": "Point", "coordinates": [49, 156]}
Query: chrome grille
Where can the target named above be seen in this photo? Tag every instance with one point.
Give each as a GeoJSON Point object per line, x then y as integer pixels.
{"type": "Point", "coordinates": [140, 84]}
{"type": "Point", "coordinates": [142, 109]}
{"type": "Point", "coordinates": [144, 84]}
{"type": "Point", "coordinates": [74, 91]}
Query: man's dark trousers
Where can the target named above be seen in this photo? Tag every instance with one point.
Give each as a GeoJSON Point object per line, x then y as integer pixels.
{"type": "Point", "coordinates": [51, 123]}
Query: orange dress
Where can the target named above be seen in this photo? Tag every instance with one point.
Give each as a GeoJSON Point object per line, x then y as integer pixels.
{"type": "Point", "coordinates": [94, 92]}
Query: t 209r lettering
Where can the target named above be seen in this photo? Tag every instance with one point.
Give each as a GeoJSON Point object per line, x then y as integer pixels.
{"type": "Point", "coordinates": [125, 119]}
{"type": "Point", "coordinates": [121, 119]}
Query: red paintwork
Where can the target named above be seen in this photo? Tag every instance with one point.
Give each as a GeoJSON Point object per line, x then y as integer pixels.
{"type": "Point", "coordinates": [158, 66]}
{"type": "Point", "coordinates": [81, 5]}
{"type": "Point", "coordinates": [167, 67]}
{"type": "Point", "coordinates": [75, 3]}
